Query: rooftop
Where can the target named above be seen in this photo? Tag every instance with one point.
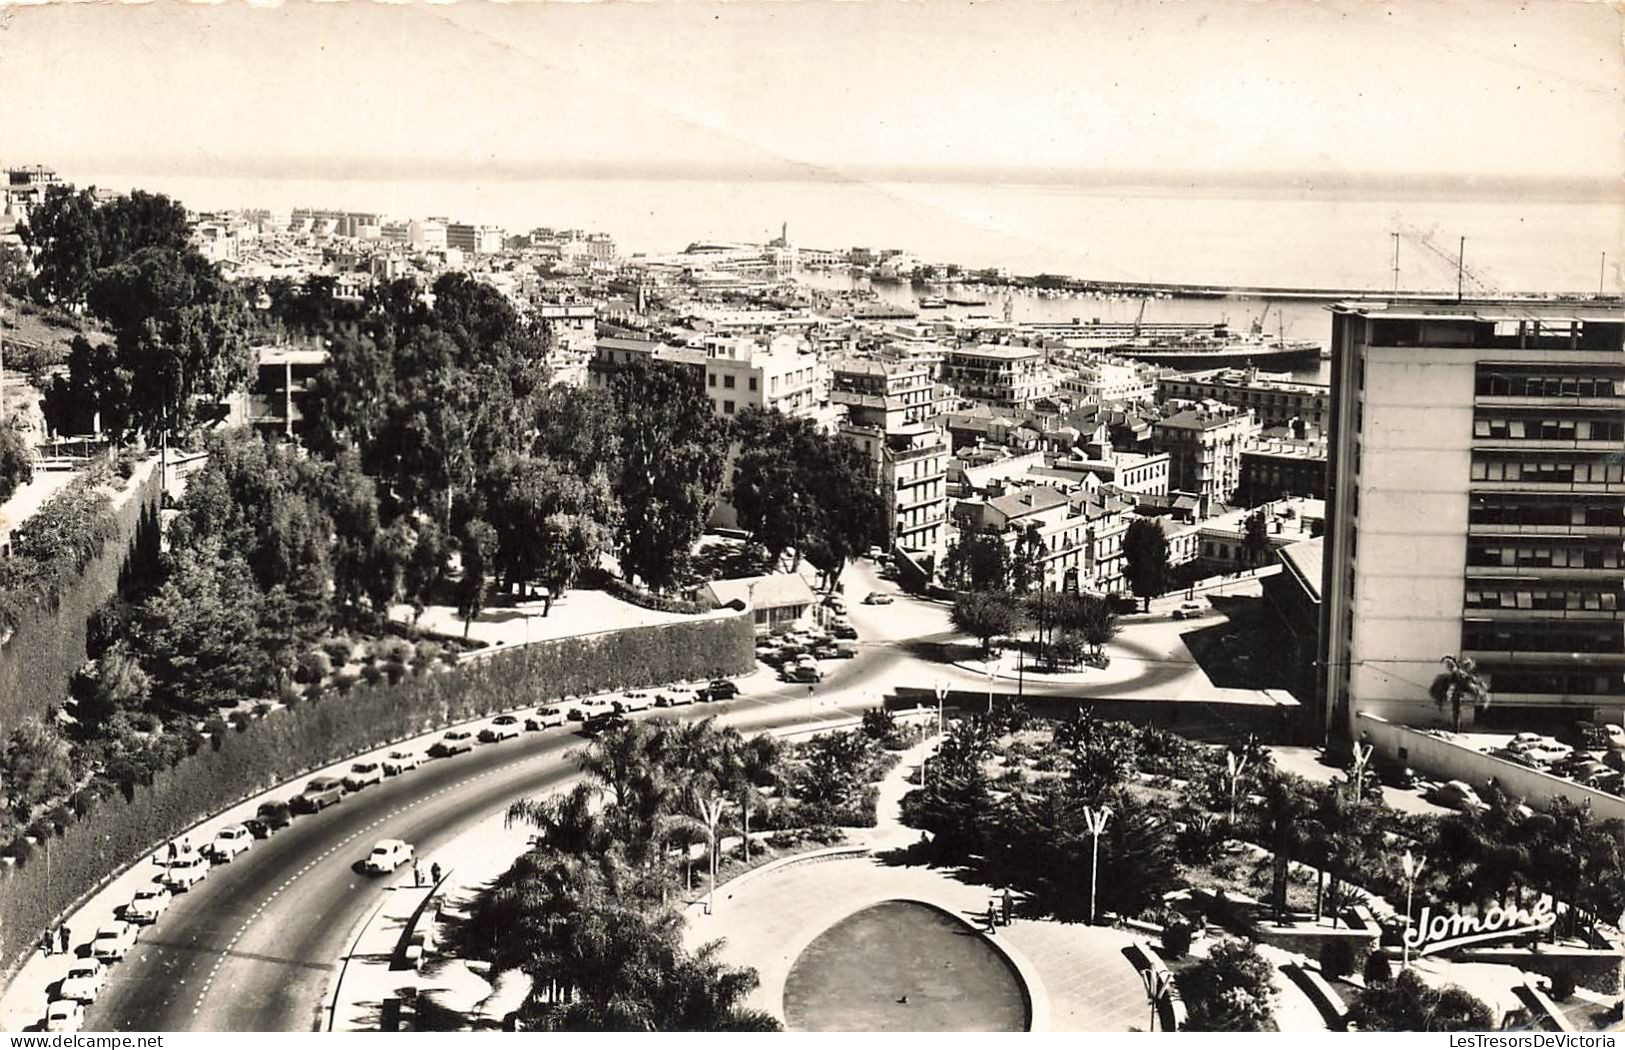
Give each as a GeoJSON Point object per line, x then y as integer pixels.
{"type": "Point", "coordinates": [1485, 309]}
{"type": "Point", "coordinates": [1028, 501]}
{"type": "Point", "coordinates": [1305, 560]}
{"type": "Point", "coordinates": [774, 591]}
{"type": "Point", "coordinates": [994, 352]}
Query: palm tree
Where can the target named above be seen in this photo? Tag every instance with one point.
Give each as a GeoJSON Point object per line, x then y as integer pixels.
{"type": "Point", "coordinates": [1459, 685]}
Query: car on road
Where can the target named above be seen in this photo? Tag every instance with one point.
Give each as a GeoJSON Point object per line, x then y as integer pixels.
{"type": "Point", "coordinates": [64, 1015]}
{"type": "Point", "coordinates": [148, 904]}
{"type": "Point", "coordinates": [1454, 794]}
{"type": "Point", "coordinates": [228, 842]}
{"type": "Point", "coordinates": [877, 598]}
{"type": "Point", "coordinates": [184, 874]}
{"type": "Point", "coordinates": [1187, 611]}
{"type": "Point", "coordinates": [502, 727]}
{"type": "Point", "coordinates": [270, 818]}
{"type": "Point", "coordinates": [363, 773]}
{"type": "Point", "coordinates": [602, 721]}
{"type": "Point", "coordinates": [842, 629]}
{"type": "Point", "coordinates": [827, 650]}
{"type": "Point", "coordinates": [720, 689]}
{"type": "Point", "coordinates": [386, 856]}
{"type": "Point", "coordinates": [453, 743]}
{"type": "Point", "coordinates": [114, 941]}
{"type": "Point", "coordinates": [1614, 735]}
{"type": "Point", "coordinates": [85, 979]}
{"type": "Point", "coordinates": [877, 553]}
{"type": "Point", "coordinates": [399, 761]}
{"type": "Point", "coordinates": [676, 696]}
{"type": "Point", "coordinates": [544, 718]}
{"type": "Point", "coordinates": [593, 706]}
{"type": "Point", "coordinates": [319, 793]}
{"type": "Point", "coordinates": [807, 673]}
{"type": "Point", "coordinates": [846, 650]}
{"type": "Point", "coordinates": [1396, 775]}
{"type": "Point", "coordinates": [633, 701]}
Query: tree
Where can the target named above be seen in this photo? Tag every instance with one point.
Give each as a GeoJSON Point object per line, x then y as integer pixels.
{"type": "Point", "coordinates": [1459, 685]}
{"type": "Point", "coordinates": [1027, 561]}
{"type": "Point", "coordinates": [199, 632]}
{"type": "Point", "coordinates": [15, 270]}
{"type": "Point", "coordinates": [1230, 990]}
{"type": "Point", "coordinates": [112, 683]}
{"type": "Point", "coordinates": [978, 562]}
{"type": "Point", "coordinates": [1255, 540]}
{"type": "Point", "coordinates": [477, 547]}
{"type": "Point", "coordinates": [849, 511]}
{"type": "Point", "coordinates": [1145, 553]}
{"type": "Point", "coordinates": [63, 233]}
{"type": "Point", "coordinates": [986, 615]}
{"type": "Point", "coordinates": [1409, 1004]}
{"type": "Point", "coordinates": [34, 767]}
{"type": "Point", "coordinates": [16, 458]}
{"type": "Point", "coordinates": [672, 454]}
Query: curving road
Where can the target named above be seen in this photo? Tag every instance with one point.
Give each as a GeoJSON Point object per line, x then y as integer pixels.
{"type": "Point", "coordinates": [253, 947]}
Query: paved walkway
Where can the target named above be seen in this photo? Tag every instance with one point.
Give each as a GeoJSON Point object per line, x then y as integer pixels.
{"type": "Point", "coordinates": [1077, 976]}
{"type": "Point", "coordinates": [578, 612]}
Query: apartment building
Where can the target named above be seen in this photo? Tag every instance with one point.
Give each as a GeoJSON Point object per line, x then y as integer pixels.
{"type": "Point", "coordinates": [475, 240]}
{"type": "Point", "coordinates": [1082, 533]}
{"type": "Point", "coordinates": [569, 339]}
{"type": "Point", "coordinates": [1001, 377]}
{"type": "Point", "coordinates": [745, 371]}
{"type": "Point", "coordinates": [890, 407]}
{"type": "Point", "coordinates": [1277, 466]}
{"type": "Point", "coordinates": [1275, 397]}
{"type": "Point", "coordinates": [1088, 377]}
{"type": "Point", "coordinates": [1204, 443]}
{"type": "Point", "coordinates": [1476, 493]}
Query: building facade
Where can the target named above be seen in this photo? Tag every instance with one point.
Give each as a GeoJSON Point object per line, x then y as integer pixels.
{"type": "Point", "coordinates": [569, 339]}
{"type": "Point", "coordinates": [746, 372]}
{"type": "Point", "coordinates": [1204, 444]}
{"type": "Point", "coordinates": [1274, 467]}
{"type": "Point", "coordinates": [889, 408]}
{"type": "Point", "coordinates": [1476, 505]}
{"type": "Point", "coordinates": [1001, 377]}
{"type": "Point", "coordinates": [1275, 398]}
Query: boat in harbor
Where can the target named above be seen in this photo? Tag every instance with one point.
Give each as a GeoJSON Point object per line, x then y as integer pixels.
{"type": "Point", "coordinates": [1182, 344]}
{"type": "Point", "coordinates": [932, 302]}
{"type": "Point", "coordinates": [960, 301]}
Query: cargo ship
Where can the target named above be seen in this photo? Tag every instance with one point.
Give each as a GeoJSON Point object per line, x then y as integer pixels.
{"type": "Point", "coordinates": [1182, 344]}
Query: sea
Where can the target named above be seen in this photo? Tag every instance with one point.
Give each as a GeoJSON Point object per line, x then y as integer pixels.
{"type": "Point", "coordinates": [1279, 237]}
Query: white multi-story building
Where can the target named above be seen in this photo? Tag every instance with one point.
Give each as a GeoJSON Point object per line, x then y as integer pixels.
{"type": "Point", "coordinates": [1081, 532]}
{"type": "Point", "coordinates": [1001, 377]}
{"type": "Point", "coordinates": [745, 371]}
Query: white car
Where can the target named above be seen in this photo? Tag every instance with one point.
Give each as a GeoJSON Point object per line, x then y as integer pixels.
{"type": "Point", "coordinates": [230, 841]}
{"type": "Point", "coordinates": [182, 854]}
{"type": "Point", "coordinates": [84, 981]}
{"type": "Point", "coordinates": [114, 941]}
{"type": "Point", "coordinates": [388, 855]}
{"type": "Point", "coordinates": [594, 705]}
{"type": "Point", "coordinates": [1187, 611]}
{"type": "Point", "coordinates": [544, 718]}
{"type": "Point", "coordinates": [184, 874]}
{"type": "Point", "coordinates": [877, 598]}
{"type": "Point", "coordinates": [363, 773]}
{"type": "Point", "coordinates": [148, 903]}
{"type": "Point", "coordinates": [503, 727]}
{"type": "Point", "coordinates": [676, 696]}
{"type": "Point", "coordinates": [400, 761]}
{"type": "Point", "coordinates": [633, 701]}
{"type": "Point", "coordinates": [64, 1015]}
{"type": "Point", "coordinates": [453, 743]}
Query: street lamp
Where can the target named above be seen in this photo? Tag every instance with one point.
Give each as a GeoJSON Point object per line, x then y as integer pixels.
{"type": "Point", "coordinates": [991, 667]}
{"type": "Point", "coordinates": [711, 812]}
{"type": "Point", "coordinates": [1234, 767]}
{"type": "Point", "coordinates": [1158, 985]}
{"type": "Point", "coordinates": [1362, 755]}
{"type": "Point", "coordinates": [1412, 867]}
{"type": "Point", "coordinates": [1095, 820]}
{"type": "Point", "coordinates": [941, 689]}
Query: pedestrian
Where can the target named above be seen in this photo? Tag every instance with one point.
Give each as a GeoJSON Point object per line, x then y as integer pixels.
{"type": "Point", "coordinates": [434, 872]}
{"type": "Point", "coordinates": [992, 919]}
{"type": "Point", "coordinates": [47, 944]}
{"type": "Point", "coordinates": [417, 874]}
{"type": "Point", "coordinates": [172, 851]}
{"type": "Point", "coordinates": [1007, 905]}
{"type": "Point", "coordinates": [67, 938]}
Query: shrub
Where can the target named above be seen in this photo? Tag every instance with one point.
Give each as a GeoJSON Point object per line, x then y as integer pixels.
{"type": "Point", "coordinates": [314, 691]}
{"type": "Point", "coordinates": [343, 681]}
{"type": "Point", "coordinates": [394, 670]}
{"type": "Point", "coordinates": [427, 652]}
{"type": "Point", "coordinates": [241, 720]}
{"type": "Point", "coordinates": [1563, 983]}
{"type": "Point", "coordinates": [372, 673]}
{"type": "Point", "coordinates": [1378, 970]}
{"type": "Point", "coordinates": [395, 650]}
{"type": "Point", "coordinates": [339, 650]}
{"type": "Point", "coordinates": [1230, 990]}
{"type": "Point", "coordinates": [215, 727]}
{"type": "Point", "coordinates": [1337, 958]}
{"type": "Point", "coordinates": [42, 829]}
{"type": "Point", "coordinates": [1176, 938]}
{"type": "Point", "coordinates": [313, 667]}
{"type": "Point", "coordinates": [262, 709]}
{"type": "Point", "coordinates": [18, 849]}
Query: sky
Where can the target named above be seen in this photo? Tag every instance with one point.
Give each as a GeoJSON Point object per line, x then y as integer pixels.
{"type": "Point", "coordinates": [1070, 90]}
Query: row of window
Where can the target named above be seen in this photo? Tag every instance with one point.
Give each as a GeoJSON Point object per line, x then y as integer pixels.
{"type": "Point", "coordinates": [1550, 429]}
{"type": "Point", "coordinates": [1509, 381]}
{"type": "Point", "coordinates": [728, 381]}
{"type": "Point", "coordinates": [1543, 555]}
{"type": "Point", "coordinates": [1579, 683]}
{"type": "Point", "coordinates": [1546, 637]}
{"type": "Point", "coordinates": [1548, 598]}
{"type": "Point", "coordinates": [1609, 470]}
{"type": "Point", "coordinates": [1505, 510]}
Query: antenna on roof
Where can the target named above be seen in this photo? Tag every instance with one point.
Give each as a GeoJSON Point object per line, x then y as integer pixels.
{"type": "Point", "coordinates": [1461, 259]}
{"type": "Point", "coordinates": [1395, 236]}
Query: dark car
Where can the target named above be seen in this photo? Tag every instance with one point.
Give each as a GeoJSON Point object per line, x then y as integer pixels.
{"type": "Point", "coordinates": [602, 722]}
{"type": "Point", "coordinates": [1395, 775]}
{"type": "Point", "coordinates": [271, 818]}
{"type": "Point", "coordinates": [319, 794]}
{"type": "Point", "coordinates": [721, 689]}
{"type": "Point", "coordinates": [841, 629]}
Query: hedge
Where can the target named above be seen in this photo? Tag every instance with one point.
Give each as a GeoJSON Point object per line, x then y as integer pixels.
{"type": "Point", "coordinates": [47, 605]}
{"type": "Point", "coordinates": [120, 830]}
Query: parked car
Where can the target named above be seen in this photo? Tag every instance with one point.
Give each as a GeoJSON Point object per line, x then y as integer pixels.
{"type": "Point", "coordinates": [230, 841]}
{"type": "Point", "coordinates": [633, 701]}
{"type": "Point", "coordinates": [1615, 735]}
{"type": "Point", "coordinates": [1586, 736]}
{"type": "Point", "coordinates": [602, 721]}
{"type": "Point", "coordinates": [85, 979]}
{"type": "Point", "coordinates": [826, 650]}
{"type": "Point", "coordinates": [502, 727]}
{"type": "Point", "coordinates": [64, 1015]}
{"type": "Point", "coordinates": [453, 743]}
{"type": "Point", "coordinates": [386, 856]}
{"type": "Point", "coordinates": [148, 904]}
{"type": "Point", "coordinates": [544, 718]}
{"type": "Point", "coordinates": [594, 706]}
{"type": "Point", "coordinates": [877, 598]}
{"type": "Point", "coordinates": [399, 761]}
{"type": "Point", "coordinates": [721, 689]}
{"type": "Point", "coordinates": [877, 553]}
{"type": "Point", "coordinates": [803, 673]}
{"type": "Point", "coordinates": [1454, 794]}
{"type": "Point", "coordinates": [842, 629]}
{"type": "Point", "coordinates": [319, 794]}
{"type": "Point", "coordinates": [363, 773]}
{"type": "Point", "coordinates": [845, 650]}
{"type": "Point", "coordinates": [676, 696]}
{"type": "Point", "coordinates": [1396, 775]}
{"type": "Point", "coordinates": [183, 875]}
{"type": "Point", "coordinates": [1188, 611]}
{"type": "Point", "coordinates": [114, 941]}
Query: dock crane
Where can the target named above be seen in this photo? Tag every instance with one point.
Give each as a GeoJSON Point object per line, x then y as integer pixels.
{"type": "Point", "coordinates": [1139, 319]}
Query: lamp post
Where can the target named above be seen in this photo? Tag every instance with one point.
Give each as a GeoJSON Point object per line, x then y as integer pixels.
{"type": "Point", "coordinates": [1158, 983]}
{"type": "Point", "coordinates": [941, 689]}
{"type": "Point", "coordinates": [991, 667]}
{"type": "Point", "coordinates": [1362, 755]}
{"type": "Point", "coordinates": [711, 812]}
{"type": "Point", "coordinates": [1095, 820]}
{"type": "Point", "coordinates": [1234, 767]}
{"type": "Point", "coordinates": [1412, 867]}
